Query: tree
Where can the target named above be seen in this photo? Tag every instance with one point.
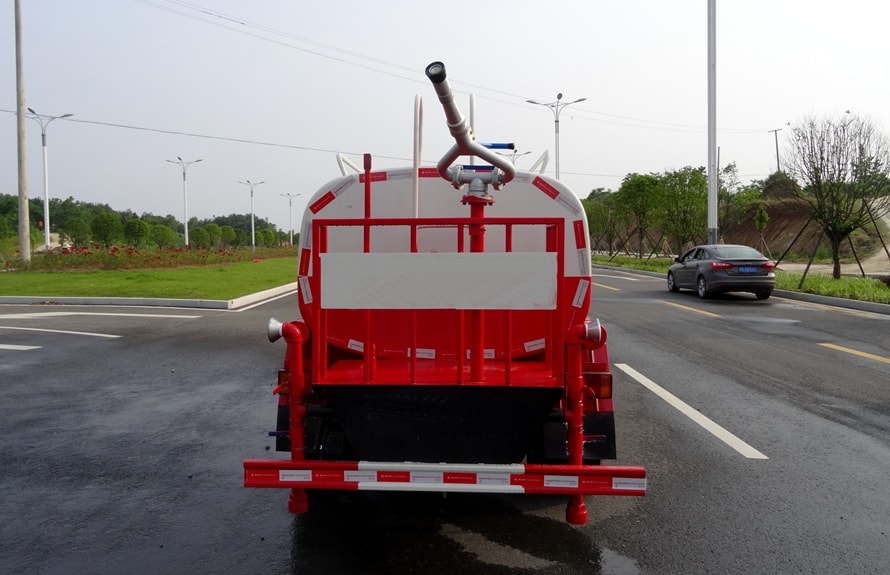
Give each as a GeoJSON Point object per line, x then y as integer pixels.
{"type": "Point", "coordinates": [685, 205]}
{"type": "Point", "coordinates": [778, 186]}
{"type": "Point", "coordinates": [640, 197]}
{"type": "Point", "coordinates": [602, 219]}
{"type": "Point", "coordinates": [214, 235]}
{"type": "Point", "coordinates": [266, 237]}
{"type": "Point", "coordinates": [77, 231]}
{"type": "Point", "coordinates": [844, 165]}
{"type": "Point", "coordinates": [106, 228]}
{"type": "Point", "coordinates": [63, 211]}
{"type": "Point", "coordinates": [162, 236]}
{"type": "Point", "coordinates": [228, 236]}
{"type": "Point", "coordinates": [136, 232]}
{"type": "Point", "coordinates": [199, 237]}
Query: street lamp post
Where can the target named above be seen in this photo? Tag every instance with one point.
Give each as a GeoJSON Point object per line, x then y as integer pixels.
{"type": "Point", "coordinates": [252, 230]}
{"type": "Point", "coordinates": [185, 194]}
{"type": "Point", "coordinates": [556, 107]}
{"type": "Point", "coordinates": [290, 211]}
{"type": "Point", "coordinates": [43, 126]}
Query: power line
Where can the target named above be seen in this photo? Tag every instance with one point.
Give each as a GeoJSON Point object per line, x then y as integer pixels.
{"type": "Point", "coordinates": [222, 138]}
{"type": "Point", "coordinates": [257, 142]}
{"type": "Point", "coordinates": [409, 73]}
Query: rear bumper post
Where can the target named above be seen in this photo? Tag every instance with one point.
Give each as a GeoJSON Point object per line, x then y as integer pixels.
{"type": "Point", "coordinates": [298, 502]}
{"type": "Point", "coordinates": [576, 511]}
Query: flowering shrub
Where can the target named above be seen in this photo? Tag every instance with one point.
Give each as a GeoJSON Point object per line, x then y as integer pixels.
{"type": "Point", "coordinates": [96, 257]}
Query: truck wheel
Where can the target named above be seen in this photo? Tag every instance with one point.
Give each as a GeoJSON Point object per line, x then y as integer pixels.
{"type": "Point", "coordinates": [672, 283]}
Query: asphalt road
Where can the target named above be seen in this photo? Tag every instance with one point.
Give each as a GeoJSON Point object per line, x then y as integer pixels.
{"type": "Point", "coordinates": [122, 432]}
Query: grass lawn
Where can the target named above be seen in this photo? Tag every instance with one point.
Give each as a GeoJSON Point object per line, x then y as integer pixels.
{"type": "Point", "coordinates": [215, 282]}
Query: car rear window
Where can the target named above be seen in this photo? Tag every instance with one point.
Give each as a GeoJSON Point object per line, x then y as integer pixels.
{"type": "Point", "coordinates": [737, 252]}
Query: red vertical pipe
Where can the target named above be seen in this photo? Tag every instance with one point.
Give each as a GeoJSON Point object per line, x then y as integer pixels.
{"type": "Point", "coordinates": [508, 315]}
{"type": "Point", "coordinates": [293, 335]}
{"type": "Point", "coordinates": [461, 318]}
{"type": "Point", "coordinates": [576, 511]}
{"type": "Point", "coordinates": [412, 365]}
{"type": "Point", "coordinates": [319, 315]}
{"type": "Point", "coordinates": [367, 202]}
{"type": "Point", "coordinates": [477, 316]}
{"type": "Point", "coordinates": [368, 348]}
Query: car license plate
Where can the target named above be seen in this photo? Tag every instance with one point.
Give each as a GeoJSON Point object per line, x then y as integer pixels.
{"type": "Point", "coordinates": [747, 269]}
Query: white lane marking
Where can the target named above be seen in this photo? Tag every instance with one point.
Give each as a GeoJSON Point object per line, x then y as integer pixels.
{"type": "Point", "coordinates": [615, 277]}
{"type": "Point", "coordinates": [47, 314]}
{"type": "Point", "coordinates": [60, 331]}
{"type": "Point", "coordinates": [19, 347]}
{"type": "Point", "coordinates": [690, 412]}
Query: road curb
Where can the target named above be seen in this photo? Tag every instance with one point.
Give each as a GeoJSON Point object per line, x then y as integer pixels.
{"type": "Point", "coordinates": [231, 304]}
{"type": "Point", "coordinates": [881, 308]}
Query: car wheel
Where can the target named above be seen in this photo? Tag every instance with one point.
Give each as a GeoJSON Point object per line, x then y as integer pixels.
{"type": "Point", "coordinates": [672, 283]}
{"type": "Point", "coordinates": [702, 286]}
{"type": "Point", "coordinates": [763, 294]}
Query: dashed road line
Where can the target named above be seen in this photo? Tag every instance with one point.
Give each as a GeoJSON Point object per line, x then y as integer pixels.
{"type": "Point", "coordinates": [10, 347]}
{"type": "Point", "coordinates": [702, 312]}
{"type": "Point", "coordinates": [864, 354]}
{"type": "Point", "coordinates": [709, 425]}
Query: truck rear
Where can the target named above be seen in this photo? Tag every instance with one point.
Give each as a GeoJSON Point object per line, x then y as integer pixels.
{"type": "Point", "coordinates": [444, 342]}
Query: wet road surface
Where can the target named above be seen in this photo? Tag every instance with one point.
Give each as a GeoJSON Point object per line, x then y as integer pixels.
{"type": "Point", "coordinates": [122, 438]}
{"type": "Point", "coordinates": [123, 431]}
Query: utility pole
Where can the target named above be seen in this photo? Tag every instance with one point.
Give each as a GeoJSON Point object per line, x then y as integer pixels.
{"type": "Point", "coordinates": [713, 175]}
{"type": "Point", "coordinates": [776, 134]}
{"type": "Point", "coordinates": [24, 221]}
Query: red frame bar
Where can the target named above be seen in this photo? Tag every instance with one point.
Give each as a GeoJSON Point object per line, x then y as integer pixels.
{"type": "Point", "coordinates": [574, 480]}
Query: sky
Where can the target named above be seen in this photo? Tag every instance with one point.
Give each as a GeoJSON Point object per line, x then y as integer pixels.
{"type": "Point", "coordinates": [271, 91]}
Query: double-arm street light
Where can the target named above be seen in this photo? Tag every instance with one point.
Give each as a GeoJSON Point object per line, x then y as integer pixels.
{"type": "Point", "coordinates": [556, 107]}
{"type": "Point", "coordinates": [515, 154]}
{"type": "Point", "coordinates": [290, 211]}
{"type": "Point", "coordinates": [185, 194]}
{"type": "Point", "coordinates": [252, 231]}
{"type": "Point", "coordinates": [44, 122]}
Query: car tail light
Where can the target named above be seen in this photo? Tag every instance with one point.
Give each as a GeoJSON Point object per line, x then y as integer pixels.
{"type": "Point", "coordinates": [721, 265]}
{"type": "Point", "coordinates": [769, 265]}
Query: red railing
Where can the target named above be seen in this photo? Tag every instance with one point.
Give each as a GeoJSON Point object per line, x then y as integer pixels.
{"type": "Point", "coordinates": [468, 331]}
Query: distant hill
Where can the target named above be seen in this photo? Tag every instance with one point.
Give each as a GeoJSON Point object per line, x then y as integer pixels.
{"type": "Point", "coordinates": [788, 229]}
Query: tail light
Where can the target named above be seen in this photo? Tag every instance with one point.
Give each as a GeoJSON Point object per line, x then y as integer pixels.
{"type": "Point", "coordinates": [721, 265]}
{"type": "Point", "coordinates": [598, 383]}
{"type": "Point", "coordinates": [769, 265]}
{"type": "Point", "coordinates": [283, 382]}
